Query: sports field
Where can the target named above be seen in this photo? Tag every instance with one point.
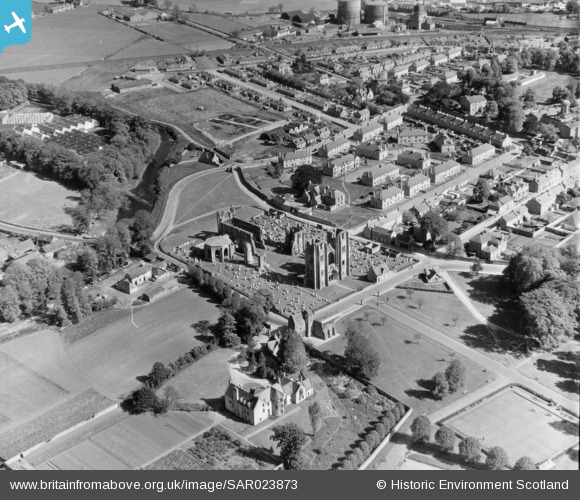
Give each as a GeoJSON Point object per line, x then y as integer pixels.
{"type": "Point", "coordinates": [112, 358]}
{"type": "Point", "coordinates": [73, 36]}
{"type": "Point", "coordinates": [211, 192]}
{"type": "Point", "coordinates": [32, 201]}
{"type": "Point", "coordinates": [518, 422]}
{"type": "Point", "coordinates": [129, 443]}
{"type": "Point", "coordinates": [543, 87]}
{"type": "Point", "coordinates": [408, 363]}
{"type": "Point", "coordinates": [187, 37]}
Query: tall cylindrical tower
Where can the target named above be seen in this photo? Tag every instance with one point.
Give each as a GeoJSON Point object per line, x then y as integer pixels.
{"type": "Point", "coordinates": [376, 10]}
{"type": "Point", "coordinates": [348, 12]}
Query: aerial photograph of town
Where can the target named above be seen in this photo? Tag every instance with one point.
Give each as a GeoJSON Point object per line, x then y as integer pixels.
{"type": "Point", "coordinates": [241, 235]}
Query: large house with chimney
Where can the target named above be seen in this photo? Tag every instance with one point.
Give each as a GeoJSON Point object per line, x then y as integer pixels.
{"type": "Point", "coordinates": [255, 403]}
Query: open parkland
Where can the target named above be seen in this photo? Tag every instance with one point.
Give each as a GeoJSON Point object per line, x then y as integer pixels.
{"type": "Point", "coordinates": [64, 388]}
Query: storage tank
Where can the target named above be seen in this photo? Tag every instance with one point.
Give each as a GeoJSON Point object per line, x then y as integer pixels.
{"type": "Point", "coordinates": [348, 12]}
{"type": "Point", "coordinates": [376, 10]}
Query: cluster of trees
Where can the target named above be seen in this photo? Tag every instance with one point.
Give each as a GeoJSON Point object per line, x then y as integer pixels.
{"type": "Point", "coordinates": [304, 175]}
{"type": "Point", "coordinates": [12, 93]}
{"type": "Point", "coordinates": [302, 65]}
{"type": "Point", "coordinates": [469, 448]}
{"type": "Point", "coordinates": [241, 319]}
{"type": "Point", "coordinates": [374, 437]}
{"type": "Point", "coordinates": [360, 357]}
{"type": "Point", "coordinates": [145, 399]}
{"type": "Point", "coordinates": [103, 173]}
{"type": "Point", "coordinates": [291, 80]}
{"type": "Point", "coordinates": [434, 224]}
{"type": "Point", "coordinates": [449, 381]}
{"type": "Point", "coordinates": [29, 289]}
{"type": "Point", "coordinates": [549, 293]}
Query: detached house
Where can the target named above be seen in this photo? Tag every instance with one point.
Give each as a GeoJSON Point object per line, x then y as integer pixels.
{"type": "Point", "coordinates": [479, 154]}
{"type": "Point", "coordinates": [473, 104]}
{"type": "Point", "coordinates": [378, 175]}
{"type": "Point", "coordinates": [367, 133]}
{"type": "Point", "coordinates": [335, 168]}
{"type": "Point", "coordinates": [414, 160]}
{"type": "Point", "coordinates": [258, 403]}
{"type": "Point", "coordinates": [334, 148]}
{"type": "Point", "coordinates": [294, 158]}
{"type": "Point", "coordinates": [488, 246]}
{"type": "Point", "coordinates": [502, 205]}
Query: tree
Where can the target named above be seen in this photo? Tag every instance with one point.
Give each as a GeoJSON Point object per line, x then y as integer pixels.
{"type": "Point", "coordinates": [548, 132]}
{"type": "Point", "coordinates": [434, 224]}
{"type": "Point", "coordinates": [158, 374]}
{"type": "Point", "coordinates": [528, 268]}
{"type": "Point", "coordinates": [497, 458]}
{"type": "Point", "coordinates": [572, 7]}
{"type": "Point", "coordinates": [525, 463]}
{"type": "Point", "coordinates": [81, 218]}
{"type": "Point", "coordinates": [455, 375]}
{"type": "Point", "coordinates": [304, 175]}
{"type": "Point", "coordinates": [491, 110]}
{"type": "Point", "coordinates": [281, 7]}
{"type": "Point", "coordinates": [421, 429]}
{"type": "Point", "coordinates": [445, 438]}
{"type": "Point", "coordinates": [476, 267]}
{"type": "Point", "coordinates": [440, 385]}
{"type": "Point", "coordinates": [144, 400]}
{"type": "Point", "coordinates": [264, 298]}
{"type": "Point", "coordinates": [290, 439]}
{"type": "Point", "coordinates": [249, 321]}
{"type": "Point", "coordinates": [88, 262]}
{"type": "Point", "coordinates": [529, 98]}
{"type": "Point", "coordinates": [361, 357]}
{"type": "Point", "coordinates": [226, 329]}
{"type": "Point", "coordinates": [481, 191]}
{"type": "Point", "coordinates": [9, 304]}
{"type": "Point", "coordinates": [142, 229]}
{"type": "Point", "coordinates": [512, 114]}
{"type": "Point", "coordinates": [314, 412]}
{"type": "Point", "coordinates": [547, 318]}
{"type": "Point", "coordinates": [470, 450]}
{"type": "Point", "coordinates": [408, 216]}
{"type": "Point", "coordinates": [559, 94]}
{"type": "Point", "coordinates": [292, 353]}
{"type": "Point", "coordinates": [454, 245]}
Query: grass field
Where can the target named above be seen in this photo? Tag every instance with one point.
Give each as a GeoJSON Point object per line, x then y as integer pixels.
{"type": "Point", "coordinates": [513, 420]}
{"type": "Point", "coordinates": [210, 193]}
{"type": "Point", "coordinates": [205, 379]}
{"type": "Point", "coordinates": [187, 37]}
{"type": "Point", "coordinates": [490, 296]}
{"type": "Point", "coordinates": [29, 200]}
{"type": "Point", "coordinates": [182, 109]}
{"type": "Point", "coordinates": [52, 422]}
{"type": "Point", "coordinates": [543, 87]}
{"type": "Point", "coordinates": [147, 47]}
{"type": "Point", "coordinates": [74, 36]}
{"type": "Point", "coordinates": [112, 358]}
{"type": "Point", "coordinates": [47, 76]}
{"type": "Point", "coordinates": [251, 6]}
{"type": "Point", "coordinates": [24, 392]}
{"type": "Point", "coordinates": [407, 365]}
{"type": "Point", "coordinates": [129, 443]}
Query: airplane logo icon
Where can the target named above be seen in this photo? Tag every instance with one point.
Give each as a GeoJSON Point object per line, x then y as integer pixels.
{"type": "Point", "coordinates": [17, 23]}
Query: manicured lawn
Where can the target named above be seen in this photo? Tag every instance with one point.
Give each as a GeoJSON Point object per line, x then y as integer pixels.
{"type": "Point", "coordinates": [206, 379]}
{"type": "Point", "coordinates": [210, 193]}
{"type": "Point", "coordinates": [407, 363]}
{"type": "Point", "coordinates": [491, 297]}
{"type": "Point", "coordinates": [113, 357]}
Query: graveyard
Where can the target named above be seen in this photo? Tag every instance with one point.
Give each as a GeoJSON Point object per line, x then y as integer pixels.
{"type": "Point", "coordinates": [277, 264]}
